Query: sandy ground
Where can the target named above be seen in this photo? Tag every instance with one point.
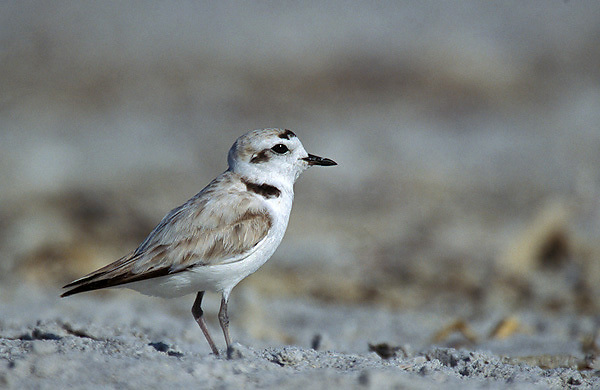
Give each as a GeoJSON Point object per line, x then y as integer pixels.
{"type": "Point", "coordinates": [130, 341]}
{"type": "Point", "coordinates": [454, 246]}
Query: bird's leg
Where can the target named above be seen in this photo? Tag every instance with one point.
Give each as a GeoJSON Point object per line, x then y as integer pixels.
{"type": "Point", "coordinates": [198, 316]}
{"type": "Point", "coordinates": [224, 321]}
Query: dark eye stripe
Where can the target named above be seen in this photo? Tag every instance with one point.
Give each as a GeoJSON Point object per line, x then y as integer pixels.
{"type": "Point", "coordinates": [261, 157]}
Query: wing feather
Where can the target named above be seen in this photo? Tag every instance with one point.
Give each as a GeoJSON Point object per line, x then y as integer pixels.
{"type": "Point", "coordinates": [213, 227]}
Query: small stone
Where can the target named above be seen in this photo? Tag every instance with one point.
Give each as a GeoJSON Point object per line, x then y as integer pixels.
{"type": "Point", "coordinates": [363, 378]}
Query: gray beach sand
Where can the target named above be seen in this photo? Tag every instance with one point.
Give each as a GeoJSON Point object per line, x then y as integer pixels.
{"type": "Point", "coordinates": [134, 342]}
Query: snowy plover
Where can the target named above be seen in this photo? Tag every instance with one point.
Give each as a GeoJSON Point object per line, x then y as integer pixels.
{"type": "Point", "coordinates": [221, 235]}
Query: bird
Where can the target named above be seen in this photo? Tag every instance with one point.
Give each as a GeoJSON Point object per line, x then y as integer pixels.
{"type": "Point", "coordinates": [222, 234]}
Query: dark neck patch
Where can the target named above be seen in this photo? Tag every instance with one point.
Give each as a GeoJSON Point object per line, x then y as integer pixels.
{"type": "Point", "coordinates": [265, 190]}
{"type": "Point", "coordinates": [287, 134]}
{"type": "Point", "coordinates": [260, 157]}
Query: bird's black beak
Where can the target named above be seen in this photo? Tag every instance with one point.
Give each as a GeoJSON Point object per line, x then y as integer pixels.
{"type": "Point", "coordinates": [316, 160]}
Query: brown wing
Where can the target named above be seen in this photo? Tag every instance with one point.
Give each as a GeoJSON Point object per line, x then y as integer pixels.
{"type": "Point", "coordinates": [208, 229]}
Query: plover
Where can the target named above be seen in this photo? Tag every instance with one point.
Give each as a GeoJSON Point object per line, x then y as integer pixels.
{"type": "Point", "coordinates": [222, 234]}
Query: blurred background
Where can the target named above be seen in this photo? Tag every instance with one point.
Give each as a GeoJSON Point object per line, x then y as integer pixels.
{"type": "Point", "coordinates": [467, 136]}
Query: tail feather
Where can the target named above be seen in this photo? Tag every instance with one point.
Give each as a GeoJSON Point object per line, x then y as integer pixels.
{"type": "Point", "coordinates": [100, 278]}
{"type": "Point", "coordinates": [96, 281]}
{"type": "Point", "coordinates": [94, 285]}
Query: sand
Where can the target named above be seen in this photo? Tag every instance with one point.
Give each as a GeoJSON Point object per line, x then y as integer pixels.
{"type": "Point", "coordinates": [131, 341]}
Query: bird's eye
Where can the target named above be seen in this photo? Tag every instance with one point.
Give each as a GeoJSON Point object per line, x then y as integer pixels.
{"type": "Point", "coordinates": [280, 148]}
